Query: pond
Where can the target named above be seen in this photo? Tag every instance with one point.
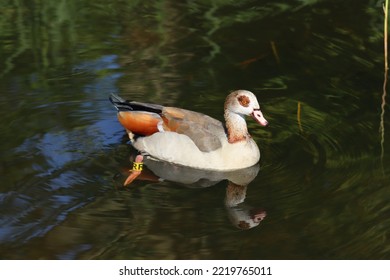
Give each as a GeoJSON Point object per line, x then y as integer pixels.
{"type": "Point", "coordinates": [320, 190]}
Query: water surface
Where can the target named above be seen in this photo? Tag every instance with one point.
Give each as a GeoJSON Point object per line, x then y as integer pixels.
{"type": "Point", "coordinates": [319, 192]}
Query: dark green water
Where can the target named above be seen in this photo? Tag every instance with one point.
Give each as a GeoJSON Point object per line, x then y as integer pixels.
{"type": "Point", "coordinates": [323, 184]}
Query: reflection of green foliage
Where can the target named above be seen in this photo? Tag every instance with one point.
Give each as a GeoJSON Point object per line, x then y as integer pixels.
{"type": "Point", "coordinates": [41, 28]}
{"type": "Point", "coordinates": [196, 48]}
{"type": "Point", "coordinates": [46, 29]}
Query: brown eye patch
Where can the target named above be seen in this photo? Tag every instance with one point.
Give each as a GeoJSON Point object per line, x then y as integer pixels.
{"type": "Point", "coordinates": [243, 100]}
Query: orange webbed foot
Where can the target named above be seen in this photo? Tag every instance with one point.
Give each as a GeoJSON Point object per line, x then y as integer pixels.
{"type": "Point", "coordinates": [136, 171]}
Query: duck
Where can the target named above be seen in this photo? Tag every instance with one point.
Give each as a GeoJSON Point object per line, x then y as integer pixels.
{"type": "Point", "coordinates": [190, 138]}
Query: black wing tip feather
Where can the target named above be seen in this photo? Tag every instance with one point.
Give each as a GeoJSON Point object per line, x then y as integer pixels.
{"type": "Point", "coordinates": [124, 105]}
{"type": "Point", "coordinates": [120, 103]}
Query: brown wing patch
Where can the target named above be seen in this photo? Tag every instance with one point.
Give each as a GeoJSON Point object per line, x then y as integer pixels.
{"type": "Point", "coordinates": [141, 123]}
{"type": "Point", "coordinates": [243, 100]}
{"type": "Point", "coordinates": [172, 118]}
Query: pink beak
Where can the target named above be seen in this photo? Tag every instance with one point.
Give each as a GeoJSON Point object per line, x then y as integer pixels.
{"type": "Point", "coordinates": [257, 115]}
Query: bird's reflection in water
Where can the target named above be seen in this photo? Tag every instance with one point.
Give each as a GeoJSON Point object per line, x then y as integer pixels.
{"type": "Point", "coordinates": [241, 215]}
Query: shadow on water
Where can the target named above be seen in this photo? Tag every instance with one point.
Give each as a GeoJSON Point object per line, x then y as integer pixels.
{"type": "Point", "coordinates": [316, 68]}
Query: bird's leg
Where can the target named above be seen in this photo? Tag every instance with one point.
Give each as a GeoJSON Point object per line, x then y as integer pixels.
{"type": "Point", "coordinates": [130, 134]}
{"type": "Point", "coordinates": [135, 171]}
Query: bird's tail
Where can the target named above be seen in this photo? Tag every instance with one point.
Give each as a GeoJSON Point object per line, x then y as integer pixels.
{"type": "Point", "coordinates": [120, 103]}
{"type": "Point", "coordinates": [124, 105]}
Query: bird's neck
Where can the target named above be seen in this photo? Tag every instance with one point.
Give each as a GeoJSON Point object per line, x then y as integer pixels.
{"type": "Point", "coordinates": [236, 127]}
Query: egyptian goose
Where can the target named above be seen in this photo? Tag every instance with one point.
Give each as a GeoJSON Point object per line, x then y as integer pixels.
{"type": "Point", "coordinates": [193, 139]}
